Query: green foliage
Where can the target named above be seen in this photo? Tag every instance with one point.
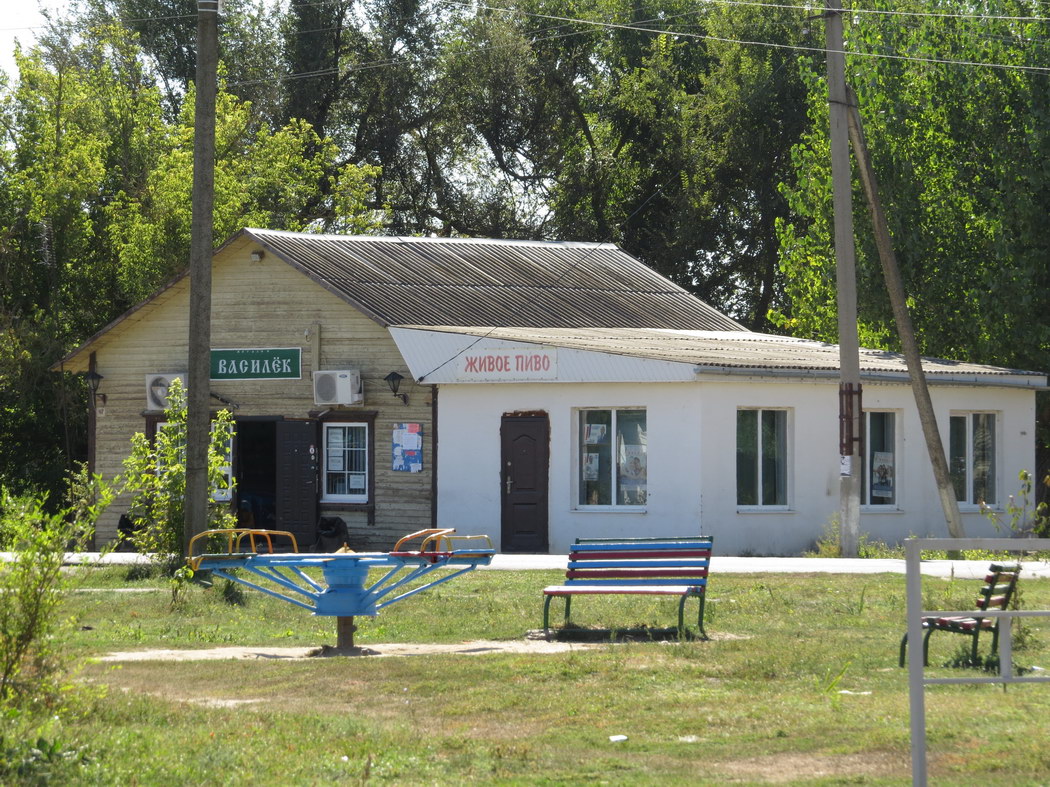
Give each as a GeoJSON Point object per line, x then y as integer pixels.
{"type": "Point", "coordinates": [31, 752]}
{"type": "Point", "coordinates": [1021, 514]}
{"type": "Point", "coordinates": [155, 475]}
{"type": "Point", "coordinates": [95, 179]}
{"type": "Point", "coordinates": [960, 156]}
{"type": "Point", "coordinates": [31, 584]}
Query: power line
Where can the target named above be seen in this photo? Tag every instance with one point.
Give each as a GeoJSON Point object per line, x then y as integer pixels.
{"type": "Point", "coordinates": [770, 44]}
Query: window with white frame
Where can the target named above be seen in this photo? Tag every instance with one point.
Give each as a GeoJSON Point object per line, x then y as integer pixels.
{"type": "Point", "coordinates": [761, 457]}
{"type": "Point", "coordinates": [972, 457]}
{"type": "Point", "coordinates": [613, 459]}
{"type": "Point", "coordinates": [880, 460]}
{"type": "Point", "coordinates": [345, 462]}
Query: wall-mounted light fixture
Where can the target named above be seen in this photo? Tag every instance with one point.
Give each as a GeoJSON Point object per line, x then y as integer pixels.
{"type": "Point", "coordinates": [93, 380]}
{"type": "Point", "coordinates": [394, 381]}
{"type": "Point", "coordinates": [257, 255]}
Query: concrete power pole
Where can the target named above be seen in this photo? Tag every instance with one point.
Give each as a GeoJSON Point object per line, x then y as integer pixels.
{"type": "Point", "coordinates": [850, 413]}
{"type": "Point", "coordinates": [198, 416]}
{"type": "Point", "coordinates": [909, 344]}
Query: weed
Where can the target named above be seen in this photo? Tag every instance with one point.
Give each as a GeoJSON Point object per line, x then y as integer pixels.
{"type": "Point", "coordinates": [233, 593]}
{"type": "Point", "coordinates": [858, 608]}
{"type": "Point", "coordinates": [179, 582]}
{"type": "Point", "coordinates": [828, 545]}
{"type": "Point", "coordinates": [832, 679]}
{"type": "Point", "coordinates": [32, 753]}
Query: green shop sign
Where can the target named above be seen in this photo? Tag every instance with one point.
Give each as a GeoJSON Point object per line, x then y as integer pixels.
{"type": "Point", "coordinates": [281, 363]}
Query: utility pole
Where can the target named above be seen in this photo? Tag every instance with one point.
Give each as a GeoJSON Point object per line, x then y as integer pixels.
{"type": "Point", "coordinates": [905, 329]}
{"type": "Point", "coordinates": [198, 416]}
{"type": "Point", "coordinates": [850, 408]}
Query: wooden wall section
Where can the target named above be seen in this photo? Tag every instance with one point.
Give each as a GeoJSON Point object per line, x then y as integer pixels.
{"type": "Point", "coordinates": [261, 305]}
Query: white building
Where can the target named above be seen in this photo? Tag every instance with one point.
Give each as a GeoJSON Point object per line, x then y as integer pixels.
{"type": "Point", "coordinates": [735, 435]}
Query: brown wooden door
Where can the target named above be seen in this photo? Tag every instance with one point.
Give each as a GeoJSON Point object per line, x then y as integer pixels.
{"type": "Point", "coordinates": [296, 487]}
{"type": "Point", "coordinates": [525, 460]}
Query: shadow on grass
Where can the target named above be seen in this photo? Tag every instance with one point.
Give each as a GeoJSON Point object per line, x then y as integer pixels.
{"type": "Point", "coordinates": [571, 633]}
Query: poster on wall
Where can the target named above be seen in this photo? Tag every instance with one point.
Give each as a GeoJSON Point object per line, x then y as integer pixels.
{"type": "Point", "coordinates": [882, 474]}
{"type": "Point", "coordinates": [408, 448]}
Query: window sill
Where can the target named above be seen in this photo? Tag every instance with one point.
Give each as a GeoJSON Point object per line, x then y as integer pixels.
{"type": "Point", "coordinates": [868, 509]}
{"type": "Point", "coordinates": [765, 510]}
{"type": "Point", "coordinates": [608, 510]}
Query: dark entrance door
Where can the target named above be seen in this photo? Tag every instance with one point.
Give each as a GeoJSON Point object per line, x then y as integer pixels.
{"type": "Point", "coordinates": [296, 477]}
{"type": "Point", "coordinates": [525, 459]}
{"type": "Point", "coordinates": [255, 466]}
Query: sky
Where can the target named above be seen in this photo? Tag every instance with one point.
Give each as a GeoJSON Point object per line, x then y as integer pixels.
{"type": "Point", "coordinates": [17, 21]}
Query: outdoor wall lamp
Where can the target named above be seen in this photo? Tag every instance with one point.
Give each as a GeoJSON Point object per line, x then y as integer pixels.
{"type": "Point", "coordinates": [394, 381]}
{"type": "Point", "coordinates": [93, 380]}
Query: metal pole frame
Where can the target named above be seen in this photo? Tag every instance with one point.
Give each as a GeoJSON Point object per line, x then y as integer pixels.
{"type": "Point", "coordinates": [917, 681]}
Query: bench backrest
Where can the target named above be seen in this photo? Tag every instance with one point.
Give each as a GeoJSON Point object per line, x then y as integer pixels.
{"type": "Point", "coordinates": [640, 561]}
{"type": "Point", "coordinates": [999, 587]}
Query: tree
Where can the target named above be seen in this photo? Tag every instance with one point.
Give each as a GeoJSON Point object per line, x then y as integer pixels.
{"type": "Point", "coordinates": [959, 151]}
{"type": "Point", "coordinates": [94, 215]}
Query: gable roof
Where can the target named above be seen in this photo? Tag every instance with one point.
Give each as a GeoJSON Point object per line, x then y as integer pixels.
{"type": "Point", "coordinates": [443, 281]}
{"type": "Point", "coordinates": [468, 282]}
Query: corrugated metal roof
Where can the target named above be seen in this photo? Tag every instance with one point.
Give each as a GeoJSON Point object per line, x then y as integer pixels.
{"type": "Point", "coordinates": [441, 281]}
{"type": "Point", "coordinates": [735, 351]}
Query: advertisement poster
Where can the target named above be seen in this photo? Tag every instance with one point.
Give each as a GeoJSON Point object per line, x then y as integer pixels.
{"type": "Point", "coordinates": [882, 474]}
{"type": "Point", "coordinates": [594, 434]}
{"type": "Point", "coordinates": [633, 466]}
{"type": "Point", "coordinates": [408, 448]}
{"type": "Point", "coordinates": [590, 467]}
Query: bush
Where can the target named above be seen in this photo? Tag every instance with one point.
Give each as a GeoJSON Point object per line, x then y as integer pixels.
{"type": "Point", "coordinates": [155, 474]}
{"type": "Point", "coordinates": [31, 582]}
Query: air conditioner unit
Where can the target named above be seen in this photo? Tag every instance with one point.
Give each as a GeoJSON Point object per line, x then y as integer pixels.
{"type": "Point", "coordinates": [157, 389]}
{"type": "Point", "coordinates": [338, 387]}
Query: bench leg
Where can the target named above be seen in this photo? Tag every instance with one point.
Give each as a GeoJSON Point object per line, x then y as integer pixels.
{"type": "Point", "coordinates": [699, 615]}
{"type": "Point", "coordinates": [547, 613]}
{"type": "Point", "coordinates": [926, 646]}
{"type": "Point", "coordinates": [925, 649]}
{"type": "Point", "coordinates": [546, 616]}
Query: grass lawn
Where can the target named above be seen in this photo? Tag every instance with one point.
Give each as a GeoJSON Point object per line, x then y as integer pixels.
{"type": "Point", "coordinates": [799, 685]}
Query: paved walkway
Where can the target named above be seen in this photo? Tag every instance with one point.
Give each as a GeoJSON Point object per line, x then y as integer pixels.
{"type": "Point", "coordinates": [963, 569]}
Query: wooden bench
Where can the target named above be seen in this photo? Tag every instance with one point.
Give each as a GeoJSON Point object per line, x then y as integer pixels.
{"type": "Point", "coordinates": [996, 593]}
{"type": "Point", "coordinates": [670, 566]}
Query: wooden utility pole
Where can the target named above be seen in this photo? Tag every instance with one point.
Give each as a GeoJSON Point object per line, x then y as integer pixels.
{"type": "Point", "coordinates": [198, 417]}
{"type": "Point", "coordinates": [850, 409]}
{"type": "Point", "coordinates": [895, 287]}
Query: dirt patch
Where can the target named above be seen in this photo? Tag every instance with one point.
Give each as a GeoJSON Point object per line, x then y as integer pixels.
{"type": "Point", "coordinates": [472, 648]}
{"type": "Point", "coordinates": [789, 766]}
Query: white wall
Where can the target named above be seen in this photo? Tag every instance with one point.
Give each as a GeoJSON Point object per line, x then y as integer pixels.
{"type": "Point", "coordinates": [692, 459]}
